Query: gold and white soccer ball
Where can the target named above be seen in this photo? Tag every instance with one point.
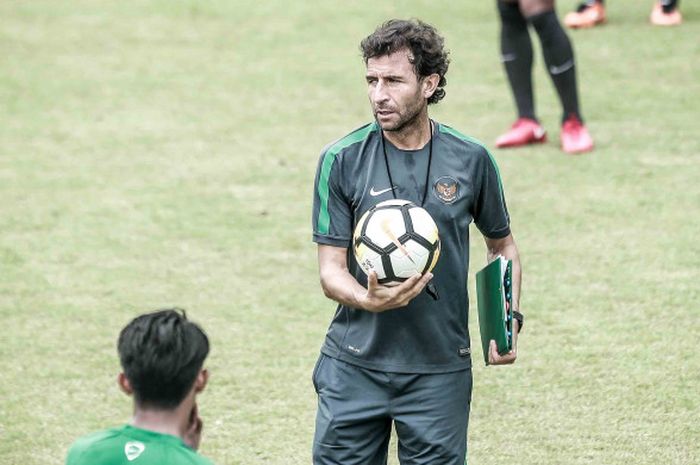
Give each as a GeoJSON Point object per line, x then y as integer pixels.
{"type": "Point", "coordinates": [396, 239]}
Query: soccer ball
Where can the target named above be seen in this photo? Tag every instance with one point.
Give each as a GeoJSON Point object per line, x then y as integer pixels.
{"type": "Point", "coordinates": [396, 239]}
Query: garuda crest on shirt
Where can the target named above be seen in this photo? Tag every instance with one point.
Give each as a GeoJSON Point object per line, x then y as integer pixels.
{"type": "Point", "coordinates": [446, 189]}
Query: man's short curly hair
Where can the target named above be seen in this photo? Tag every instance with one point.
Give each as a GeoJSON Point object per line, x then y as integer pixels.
{"type": "Point", "coordinates": [427, 47]}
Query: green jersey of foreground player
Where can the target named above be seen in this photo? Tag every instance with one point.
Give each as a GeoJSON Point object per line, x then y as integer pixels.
{"type": "Point", "coordinates": [395, 354]}
{"type": "Point", "coordinates": [162, 354]}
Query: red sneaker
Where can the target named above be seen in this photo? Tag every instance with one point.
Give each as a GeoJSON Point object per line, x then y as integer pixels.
{"type": "Point", "coordinates": [586, 16]}
{"type": "Point", "coordinates": [659, 18]}
{"type": "Point", "coordinates": [575, 137]}
{"type": "Point", "coordinates": [524, 131]}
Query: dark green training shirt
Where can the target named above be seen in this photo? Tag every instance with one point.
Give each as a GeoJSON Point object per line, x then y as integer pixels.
{"type": "Point", "coordinates": [426, 336]}
{"type": "Point", "coordinates": [129, 445]}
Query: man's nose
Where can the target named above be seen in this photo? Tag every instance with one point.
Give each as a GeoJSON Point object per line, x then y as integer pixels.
{"type": "Point", "coordinates": [379, 92]}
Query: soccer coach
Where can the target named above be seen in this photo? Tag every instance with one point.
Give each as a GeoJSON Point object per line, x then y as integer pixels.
{"type": "Point", "coordinates": [395, 354]}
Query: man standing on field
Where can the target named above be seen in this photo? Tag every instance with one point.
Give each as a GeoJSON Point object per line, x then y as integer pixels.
{"type": "Point", "coordinates": [397, 354]}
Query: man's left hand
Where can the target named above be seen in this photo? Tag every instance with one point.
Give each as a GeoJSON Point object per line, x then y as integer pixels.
{"type": "Point", "coordinates": [508, 358]}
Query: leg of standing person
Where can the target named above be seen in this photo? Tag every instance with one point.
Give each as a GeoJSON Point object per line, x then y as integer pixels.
{"type": "Point", "coordinates": [431, 415]}
{"type": "Point", "coordinates": [353, 424]}
{"type": "Point", "coordinates": [516, 55]}
{"type": "Point", "coordinates": [666, 13]}
{"type": "Point", "coordinates": [589, 13]}
{"type": "Point", "coordinates": [559, 59]}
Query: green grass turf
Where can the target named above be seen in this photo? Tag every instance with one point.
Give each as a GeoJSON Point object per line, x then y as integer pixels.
{"type": "Point", "coordinates": [157, 153]}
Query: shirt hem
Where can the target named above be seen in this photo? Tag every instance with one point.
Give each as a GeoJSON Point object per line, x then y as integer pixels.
{"type": "Point", "coordinates": [500, 234]}
{"type": "Point", "coordinates": [393, 368]}
{"type": "Point", "coordinates": [331, 240]}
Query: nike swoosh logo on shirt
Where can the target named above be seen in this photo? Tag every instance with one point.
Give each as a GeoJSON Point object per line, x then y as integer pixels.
{"type": "Point", "coordinates": [374, 193]}
{"type": "Point", "coordinates": [560, 69]}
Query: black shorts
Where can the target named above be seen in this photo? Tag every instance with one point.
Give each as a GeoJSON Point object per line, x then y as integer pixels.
{"type": "Point", "coordinates": [356, 407]}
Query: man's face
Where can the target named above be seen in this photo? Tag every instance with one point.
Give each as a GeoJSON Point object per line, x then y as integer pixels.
{"type": "Point", "coordinates": [395, 92]}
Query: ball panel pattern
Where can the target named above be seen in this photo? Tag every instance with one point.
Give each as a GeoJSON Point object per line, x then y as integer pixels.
{"type": "Point", "coordinates": [396, 239]}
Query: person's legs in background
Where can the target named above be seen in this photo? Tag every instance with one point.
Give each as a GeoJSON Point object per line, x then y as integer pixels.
{"type": "Point", "coordinates": [516, 50]}
{"type": "Point", "coordinates": [516, 55]}
{"type": "Point", "coordinates": [559, 59]}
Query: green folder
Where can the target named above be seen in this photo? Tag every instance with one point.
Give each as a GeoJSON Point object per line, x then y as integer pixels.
{"type": "Point", "coordinates": [494, 299]}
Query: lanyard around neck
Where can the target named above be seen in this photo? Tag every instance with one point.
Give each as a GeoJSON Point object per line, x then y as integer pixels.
{"type": "Point", "coordinates": [427, 171]}
{"type": "Point", "coordinates": [430, 287]}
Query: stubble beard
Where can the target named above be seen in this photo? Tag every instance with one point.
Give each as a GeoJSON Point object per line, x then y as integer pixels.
{"type": "Point", "coordinates": [409, 119]}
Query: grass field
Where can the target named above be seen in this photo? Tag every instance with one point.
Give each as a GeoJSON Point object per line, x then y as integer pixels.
{"type": "Point", "coordinates": [159, 153]}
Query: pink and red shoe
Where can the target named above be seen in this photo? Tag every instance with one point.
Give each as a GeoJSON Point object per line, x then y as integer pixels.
{"type": "Point", "coordinates": [586, 15]}
{"type": "Point", "coordinates": [575, 137]}
{"type": "Point", "coordinates": [523, 132]}
{"type": "Point", "coordinates": [659, 17]}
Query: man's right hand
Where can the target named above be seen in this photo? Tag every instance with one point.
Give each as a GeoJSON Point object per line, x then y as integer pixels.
{"type": "Point", "coordinates": [379, 298]}
{"type": "Point", "coordinates": [193, 434]}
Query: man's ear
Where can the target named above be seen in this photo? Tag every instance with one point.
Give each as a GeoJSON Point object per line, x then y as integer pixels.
{"type": "Point", "coordinates": [124, 384]}
{"type": "Point", "coordinates": [201, 382]}
{"type": "Point", "coordinates": [430, 84]}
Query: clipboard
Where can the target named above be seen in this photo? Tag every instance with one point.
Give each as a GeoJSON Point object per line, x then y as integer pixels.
{"type": "Point", "coordinates": [495, 302]}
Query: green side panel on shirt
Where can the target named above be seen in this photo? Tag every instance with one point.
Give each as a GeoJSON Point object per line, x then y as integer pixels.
{"type": "Point", "coordinates": [459, 135]}
{"type": "Point", "coordinates": [324, 219]}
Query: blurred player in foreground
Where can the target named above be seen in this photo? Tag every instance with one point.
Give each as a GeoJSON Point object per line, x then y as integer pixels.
{"type": "Point", "coordinates": [592, 13]}
{"type": "Point", "coordinates": [517, 58]}
{"type": "Point", "coordinates": [162, 355]}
